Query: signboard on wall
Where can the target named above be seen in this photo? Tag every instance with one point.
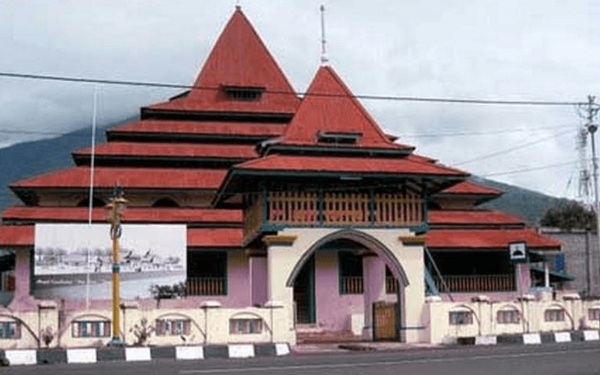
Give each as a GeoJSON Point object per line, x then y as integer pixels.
{"type": "Point", "coordinates": [72, 260]}
{"type": "Point", "coordinates": [517, 252]}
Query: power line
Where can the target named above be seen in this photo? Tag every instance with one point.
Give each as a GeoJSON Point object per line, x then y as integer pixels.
{"type": "Point", "coordinates": [365, 97]}
{"type": "Point", "coordinates": [473, 133]}
{"type": "Point", "coordinates": [523, 145]}
{"type": "Point", "coordinates": [539, 168]}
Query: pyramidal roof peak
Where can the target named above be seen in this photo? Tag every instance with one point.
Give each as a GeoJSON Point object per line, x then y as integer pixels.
{"type": "Point", "coordinates": [239, 58]}
{"type": "Point", "coordinates": [330, 109]}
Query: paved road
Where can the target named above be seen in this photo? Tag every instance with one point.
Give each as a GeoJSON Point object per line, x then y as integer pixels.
{"type": "Point", "coordinates": [549, 359]}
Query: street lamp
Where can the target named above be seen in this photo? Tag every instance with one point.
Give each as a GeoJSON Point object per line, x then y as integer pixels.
{"type": "Point", "coordinates": [115, 208]}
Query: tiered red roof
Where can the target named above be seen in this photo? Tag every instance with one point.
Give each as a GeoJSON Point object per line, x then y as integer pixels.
{"type": "Point", "coordinates": [239, 58]}
{"type": "Point", "coordinates": [170, 150]}
{"type": "Point", "coordinates": [471, 188]}
{"type": "Point", "coordinates": [472, 218]}
{"type": "Point", "coordinates": [199, 128]}
{"type": "Point", "coordinates": [490, 239]}
{"type": "Point", "coordinates": [131, 215]}
{"type": "Point", "coordinates": [330, 107]}
{"type": "Point", "coordinates": [380, 166]}
{"type": "Point", "coordinates": [132, 178]}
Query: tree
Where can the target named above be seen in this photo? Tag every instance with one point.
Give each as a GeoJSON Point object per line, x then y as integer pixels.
{"type": "Point", "coordinates": [568, 215]}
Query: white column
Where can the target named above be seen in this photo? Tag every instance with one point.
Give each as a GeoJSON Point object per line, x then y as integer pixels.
{"type": "Point", "coordinates": [374, 289]}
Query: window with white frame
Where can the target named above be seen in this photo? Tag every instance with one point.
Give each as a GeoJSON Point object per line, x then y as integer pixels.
{"type": "Point", "coordinates": [245, 326]}
{"type": "Point", "coordinates": [594, 314]}
{"type": "Point", "coordinates": [10, 330]}
{"type": "Point", "coordinates": [90, 328]}
{"type": "Point", "coordinates": [173, 327]}
{"type": "Point", "coordinates": [458, 318]}
{"type": "Point", "coordinates": [511, 316]}
{"type": "Point", "coordinates": [554, 315]}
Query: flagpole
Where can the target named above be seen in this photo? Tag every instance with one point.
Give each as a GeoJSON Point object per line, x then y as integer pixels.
{"type": "Point", "coordinates": [91, 197]}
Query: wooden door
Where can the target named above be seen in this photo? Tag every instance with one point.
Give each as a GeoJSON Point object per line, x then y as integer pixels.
{"type": "Point", "coordinates": [384, 321]}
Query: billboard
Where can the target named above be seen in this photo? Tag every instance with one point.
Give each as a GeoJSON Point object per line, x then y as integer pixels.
{"type": "Point", "coordinates": [72, 261]}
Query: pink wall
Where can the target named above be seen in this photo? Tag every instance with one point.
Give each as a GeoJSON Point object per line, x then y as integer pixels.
{"type": "Point", "coordinates": [259, 274]}
{"type": "Point", "coordinates": [333, 310]}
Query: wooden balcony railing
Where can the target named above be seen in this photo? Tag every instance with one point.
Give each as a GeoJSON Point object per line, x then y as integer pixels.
{"type": "Point", "coordinates": [476, 283]}
{"type": "Point", "coordinates": [351, 285]}
{"type": "Point", "coordinates": [332, 209]}
{"type": "Point", "coordinates": [206, 286]}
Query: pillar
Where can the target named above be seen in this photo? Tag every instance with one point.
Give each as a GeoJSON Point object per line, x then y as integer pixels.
{"type": "Point", "coordinates": [23, 300]}
{"type": "Point", "coordinates": [258, 280]}
{"type": "Point", "coordinates": [374, 289]}
{"type": "Point", "coordinates": [523, 278]}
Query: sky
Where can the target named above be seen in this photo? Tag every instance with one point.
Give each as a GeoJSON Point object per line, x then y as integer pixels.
{"type": "Point", "coordinates": [534, 50]}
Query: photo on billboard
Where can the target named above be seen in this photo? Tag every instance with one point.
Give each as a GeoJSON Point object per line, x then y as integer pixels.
{"type": "Point", "coordinates": [73, 261]}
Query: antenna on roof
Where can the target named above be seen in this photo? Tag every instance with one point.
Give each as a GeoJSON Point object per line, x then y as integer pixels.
{"type": "Point", "coordinates": [238, 5]}
{"type": "Point", "coordinates": [324, 59]}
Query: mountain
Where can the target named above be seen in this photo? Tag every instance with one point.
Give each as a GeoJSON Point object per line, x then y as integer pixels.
{"type": "Point", "coordinates": [31, 158]}
{"type": "Point", "coordinates": [27, 159]}
{"type": "Point", "coordinates": [527, 204]}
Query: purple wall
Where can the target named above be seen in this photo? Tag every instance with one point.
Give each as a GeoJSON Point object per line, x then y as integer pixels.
{"type": "Point", "coordinates": [259, 274]}
{"type": "Point", "coordinates": [333, 310]}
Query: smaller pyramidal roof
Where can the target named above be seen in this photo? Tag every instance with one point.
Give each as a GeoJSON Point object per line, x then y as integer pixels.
{"type": "Point", "coordinates": [329, 113]}
{"type": "Point", "coordinates": [239, 59]}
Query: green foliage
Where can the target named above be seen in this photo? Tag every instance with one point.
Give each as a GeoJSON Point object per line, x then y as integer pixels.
{"type": "Point", "coordinates": [569, 215]}
{"type": "Point", "coordinates": [142, 332]}
{"type": "Point", "coordinates": [167, 291]}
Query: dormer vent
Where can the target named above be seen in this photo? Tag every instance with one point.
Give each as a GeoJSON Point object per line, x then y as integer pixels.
{"type": "Point", "coordinates": [244, 93]}
{"type": "Point", "coordinates": [343, 138]}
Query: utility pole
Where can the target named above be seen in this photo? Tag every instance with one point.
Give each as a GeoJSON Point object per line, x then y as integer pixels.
{"type": "Point", "coordinates": [592, 111]}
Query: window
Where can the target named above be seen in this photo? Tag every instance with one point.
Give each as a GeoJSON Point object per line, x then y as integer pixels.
{"type": "Point", "coordinates": [351, 273]}
{"type": "Point", "coordinates": [554, 315]}
{"type": "Point", "coordinates": [10, 330]}
{"type": "Point", "coordinates": [91, 328]}
{"type": "Point", "coordinates": [344, 138]}
{"type": "Point", "coordinates": [594, 314]}
{"type": "Point", "coordinates": [245, 326]}
{"type": "Point", "coordinates": [206, 273]}
{"type": "Point", "coordinates": [508, 317]}
{"type": "Point", "coordinates": [458, 318]}
{"type": "Point", "coordinates": [173, 327]}
{"type": "Point", "coordinates": [391, 285]}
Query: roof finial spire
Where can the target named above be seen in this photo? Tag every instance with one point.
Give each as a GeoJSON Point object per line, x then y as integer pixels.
{"type": "Point", "coordinates": [238, 5]}
{"type": "Point", "coordinates": [324, 59]}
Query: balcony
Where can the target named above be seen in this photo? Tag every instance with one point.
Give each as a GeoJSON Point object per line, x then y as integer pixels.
{"type": "Point", "coordinates": [206, 286]}
{"type": "Point", "coordinates": [312, 209]}
{"type": "Point", "coordinates": [475, 283]}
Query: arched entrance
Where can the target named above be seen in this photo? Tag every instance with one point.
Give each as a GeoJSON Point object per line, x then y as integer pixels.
{"type": "Point", "coordinates": [337, 281]}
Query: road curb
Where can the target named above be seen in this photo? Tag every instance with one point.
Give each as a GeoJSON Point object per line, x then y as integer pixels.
{"type": "Point", "coordinates": [132, 354]}
{"type": "Point", "coordinates": [531, 338]}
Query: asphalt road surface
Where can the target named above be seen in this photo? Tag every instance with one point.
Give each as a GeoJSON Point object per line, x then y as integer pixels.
{"type": "Point", "coordinates": [549, 359]}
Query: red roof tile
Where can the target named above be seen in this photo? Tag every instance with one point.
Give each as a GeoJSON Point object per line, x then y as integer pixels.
{"type": "Point", "coordinates": [108, 177]}
{"type": "Point", "coordinates": [329, 106]}
{"type": "Point", "coordinates": [421, 158]}
{"type": "Point", "coordinates": [470, 239]}
{"type": "Point", "coordinates": [174, 150]}
{"type": "Point", "coordinates": [24, 235]}
{"type": "Point", "coordinates": [470, 188]}
{"type": "Point", "coordinates": [347, 164]}
{"type": "Point", "coordinates": [471, 217]}
{"type": "Point", "coordinates": [131, 214]}
{"type": "Point", "coordinates": [214, 237]}
{"type": "Point", "coordinates": [201, 128]}
{"type": "Point", "coordinates": [16, 235]}
{"type": "Point", "coordinates": [239, 58]}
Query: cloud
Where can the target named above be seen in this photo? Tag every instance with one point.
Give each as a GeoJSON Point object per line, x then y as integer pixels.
{"type": "Point", "coordinates": [539, 50]}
